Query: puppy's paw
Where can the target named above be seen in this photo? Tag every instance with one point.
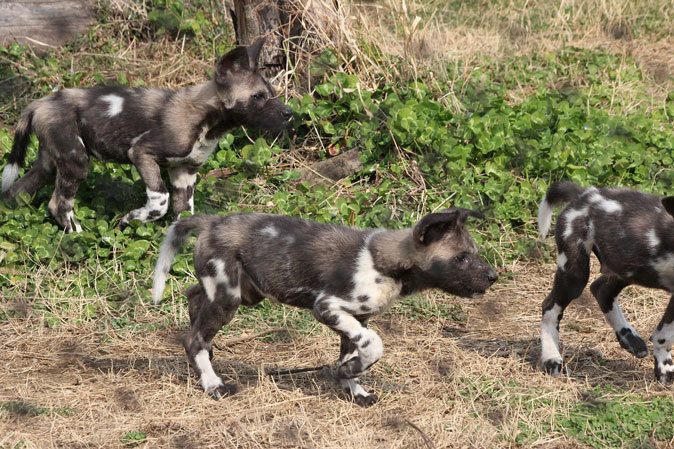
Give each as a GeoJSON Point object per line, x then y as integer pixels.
{"type": "Point", "coordinates": [632, 342]}
{"type": "Point", "coordinates": [664, 370]}
{"type": "Point", "coordinates": [218, 392]}
{"type": "Point", "coordinates": [365, 400]}
{"type": "Point", "coordinates": [553, 367]}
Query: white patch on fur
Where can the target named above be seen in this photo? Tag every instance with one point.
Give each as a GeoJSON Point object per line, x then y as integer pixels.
{"type": "Point", "coordinates": [167, 252]}
{"type": "Point", "coordinates": [544, 217]}
{"type": "Point", "coordinates": [9, 175]}
{"type": "Point", "coordinates": [380, 295]}
{"type": "Point", "coordinates": [190, 203]}
{"type": "Point", "coordinates": [653, 240]}
{"type": "Point", "coordinates": [562, 260]}
{"type": "Point", "coordinates": [211, 283]}
{"type": "Point", "coordinates": [610, 206]}
{"type": "Point", "coordinates": [550, 334]}
{"type": "Point", "coordinates": [569, 217]}
{"type": "Point", "coordinates": [665, 268]}
{"type": "Point", "coordinates": [115, 103]}
{"type": "Point", "coordinates": [354, 387]}
{"type": "Point", "coordinates": [201, 150]}
{"type": "Point", "coordinates": [271, 231]}
{"type": "Point", "coordinates": [209, 380]}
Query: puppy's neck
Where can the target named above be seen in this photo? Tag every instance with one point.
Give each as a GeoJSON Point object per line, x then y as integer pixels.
{"type": "Point", "coordinates": [393, 255]}
{"type": "Point", "coordinates": [208, 110]}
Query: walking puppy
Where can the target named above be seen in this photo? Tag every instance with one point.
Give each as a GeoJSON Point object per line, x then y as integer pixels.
{"type": "Point", "coordinates": [142, 126]}
{"type": "Point", "coordinates": [632, 235]}
{"type": "Point", "coordinates": [343, 275]}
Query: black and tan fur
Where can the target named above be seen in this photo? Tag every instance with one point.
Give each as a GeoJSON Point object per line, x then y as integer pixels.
{"type": "Point", "coordinates": [632, 235]}
{"type": "Point", "coordinates": [343, 275]}
{"type": "Point", "coordinates": [147, 127]}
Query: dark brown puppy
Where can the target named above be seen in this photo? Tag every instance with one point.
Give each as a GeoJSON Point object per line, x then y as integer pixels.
{"type": "Point", "coordinates": [343, 275]}
{"type": "Point", "coordinates": [632, 235]}
{"type": "Point", "coordinates": [147, 127]}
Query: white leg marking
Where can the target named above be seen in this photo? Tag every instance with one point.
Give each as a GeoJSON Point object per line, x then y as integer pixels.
{"type": "Point", "coordinates": [616, 318]}
{"type": "Point", "coordinates": [181, 179]}
{"type": "Point", "coordinates": [157, 202]}
{"type": "Point", "coordinates": [562, 260]}
{"type": "Point", "coordinates": [70, 220]}
{"type": "Point", "coordinates": [115, 103]}
{"type": "Point", "coordinates": [353, 387]}
{"type": "Point", "coordinates": [550, 334]}
{"type": "Point", "coordinates": [209, 380]}
{"type": "Point", "coordinates": [9, 175]}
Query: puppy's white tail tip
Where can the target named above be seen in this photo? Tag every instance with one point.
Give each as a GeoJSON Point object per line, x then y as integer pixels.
{"type": "Point", "coordinates": [167, 252]}
{"type": "Point", "coordinates": [544, 217]}
{"type": "Point", "coordinates": [9, 175]}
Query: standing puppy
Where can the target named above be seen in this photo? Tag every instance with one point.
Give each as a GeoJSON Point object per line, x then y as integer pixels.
{"type": "Point", "coordinates": [343, 275]}
{"type": "Point", "coordinates": [150, 128]}
{"type": "Point", "coordinates": [632, 235]}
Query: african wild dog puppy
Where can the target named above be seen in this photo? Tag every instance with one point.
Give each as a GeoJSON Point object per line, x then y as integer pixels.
{"type": "Point", "coordinates": [343, 275]}
{"type": "Point", "coordinates": [632, 235]}
{"type": "Point", "coordinates": [147, 127]}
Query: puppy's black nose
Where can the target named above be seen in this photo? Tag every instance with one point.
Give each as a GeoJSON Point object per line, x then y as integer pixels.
{"type": "Point", "coordinates": [492, 276]}
{"type": "Point", "coordinates": [287, 113]}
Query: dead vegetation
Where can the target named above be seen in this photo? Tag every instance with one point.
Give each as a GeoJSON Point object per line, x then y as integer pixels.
{"type": "Point", "coordinates": [442, 383]}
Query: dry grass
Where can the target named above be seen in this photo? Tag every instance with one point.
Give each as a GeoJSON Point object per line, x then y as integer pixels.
{"type": "Point", "coordinates": [441, 383]}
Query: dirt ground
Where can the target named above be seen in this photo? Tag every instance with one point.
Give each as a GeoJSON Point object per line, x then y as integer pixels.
{"type": "Point", "coordinates": [77, 387]}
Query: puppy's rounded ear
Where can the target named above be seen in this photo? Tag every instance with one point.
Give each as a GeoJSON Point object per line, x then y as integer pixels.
{"type": "Point", "coordinates": [433, 226]}
{"type": "Point", "coordinates": [253, 51]}
{"type": "Point", "coordinates": [668, 203]}
{"type": "Point", "coordinates": [233, 61]}
{"type": "Point", "coordinates": [464, 214]}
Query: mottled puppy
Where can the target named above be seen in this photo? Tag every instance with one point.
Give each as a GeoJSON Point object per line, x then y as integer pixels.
{"type": "Point", "coordinates": [150, 128]}
{"type": "Point", "coordinates": [632, 235]}
{"type": "Point", "coordinates": [343, 275]}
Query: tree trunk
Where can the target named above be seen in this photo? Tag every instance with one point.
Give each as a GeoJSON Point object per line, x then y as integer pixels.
{"type": "Point", "coordinates": [296, 31]}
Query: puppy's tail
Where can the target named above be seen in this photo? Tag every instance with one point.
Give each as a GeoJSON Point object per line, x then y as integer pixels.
{"type": "Point", "coordinates": [559, 192]}
{"type": "Point", "coordinates": [18, 154]}
{"type": "Point", "coordinates": [176, 235]}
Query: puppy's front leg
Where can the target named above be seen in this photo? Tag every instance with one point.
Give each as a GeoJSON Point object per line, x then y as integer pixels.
{"type": "Point", "coordinates": [361, 347]}
{"type": "Point", "coordinates": [663, 338]}
{"type": "Point", "coordinates": [182, 180]}
{"type": "Point", "coordinates": [157, 195]}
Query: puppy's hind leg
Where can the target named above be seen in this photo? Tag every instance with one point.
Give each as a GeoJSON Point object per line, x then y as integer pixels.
{"type": "Point", "coordinates": [361, 347]}
{"type": "Point", "coordinates": [573, 272]}
{"type": "Point", "coordinates": [606, 289]}
{"type": "Point", "coordinates": [42, 172]}
{"type": "Point", "coordinates": [662, 339]}
{"type": "Point", "coordinates": [216, 307]}
{"type": "Point", "coordinates": [72, 167]}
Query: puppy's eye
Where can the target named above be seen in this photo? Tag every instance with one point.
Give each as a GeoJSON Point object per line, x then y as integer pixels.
{"type": "Point", "coordinates": [258, 96]}
{"type": "Point", "coordinates": [460, 258]}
